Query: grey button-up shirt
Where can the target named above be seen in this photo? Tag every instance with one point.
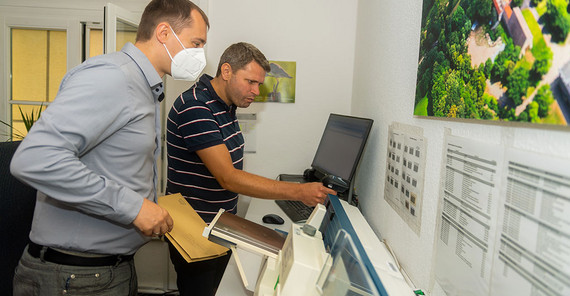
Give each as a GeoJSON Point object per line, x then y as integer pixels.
{"type": "Point", "coordinates": [92, 155]}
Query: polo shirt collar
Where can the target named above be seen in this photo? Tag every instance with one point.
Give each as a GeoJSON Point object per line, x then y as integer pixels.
{"type": "Point", "coordinates": [153, 79]}
{"type": "Point", "coordinates": [205, 82]}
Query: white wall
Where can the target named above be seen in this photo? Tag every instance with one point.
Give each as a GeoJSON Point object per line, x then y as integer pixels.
{"type": "Point", "coordinates": [387, 45]}
{"type": "Point", "coordinates": [319, 35]}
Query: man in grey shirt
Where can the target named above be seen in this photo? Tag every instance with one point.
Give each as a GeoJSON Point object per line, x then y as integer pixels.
{"type": "Point", "coordinates": [92, 158]}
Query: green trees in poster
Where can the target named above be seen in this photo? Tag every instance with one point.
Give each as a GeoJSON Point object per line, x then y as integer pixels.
{"type": "Point", "coordinates": [543, 56]}
{"type": "Point", "coordinates": [503, 82]}
{"type": "Point", "coordinates": [543, 98]}
{"type": "Point", "coordinates": [505, 61]}
{"type": "Point", "coordinates": [558, 21]}
{"type": "Point", "coordinates": [516, 3]}
{"type": "Point", "coordinates": [479, 10]}
{"type": "Point", "coordinates": [517, 83]}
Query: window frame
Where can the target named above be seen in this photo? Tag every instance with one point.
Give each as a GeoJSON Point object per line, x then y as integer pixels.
{"type": "Point", "coordinates": [70, 21]}
{"type": "Point", "coordinates": [87, 28]}
{"type": "Point", "coordinates": [76, 22]}
{"type": "Point", "coordinates": [113, 14]}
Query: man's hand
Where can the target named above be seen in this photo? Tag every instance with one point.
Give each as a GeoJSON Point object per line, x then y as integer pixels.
{"type": "Point", "coordinates": [313, 193]}
{"type": "Point", "coordinates": [153, 220]}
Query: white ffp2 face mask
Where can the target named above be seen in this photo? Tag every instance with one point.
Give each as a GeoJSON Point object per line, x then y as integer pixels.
{"type": "Point", "coordinates": [188, 63]}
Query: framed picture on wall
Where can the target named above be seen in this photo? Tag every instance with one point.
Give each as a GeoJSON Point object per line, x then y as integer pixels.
{"type": "Point", "coordinates": [279, 84]}
{"type": "Point", "coordinates": [496, 60]}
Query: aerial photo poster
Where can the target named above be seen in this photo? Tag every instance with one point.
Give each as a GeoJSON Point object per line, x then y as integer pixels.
{"type": "Point", "coordinates": [497, 60]}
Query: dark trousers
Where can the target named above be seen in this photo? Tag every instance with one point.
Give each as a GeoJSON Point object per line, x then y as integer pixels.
{"type": "Point", "coordinates": [34, 276]}
{"type": "Point", "coordinates": [198, 278]}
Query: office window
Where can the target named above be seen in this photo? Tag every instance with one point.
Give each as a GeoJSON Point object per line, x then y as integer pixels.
{"type": "Point", "coordinates": [95, 38]}
{"type": "Point", "coordinates": [125, 33]}
{"type": "Point", "coordinates": [94, 34]}
{"type": "Point", "coordinates": [39, 62]}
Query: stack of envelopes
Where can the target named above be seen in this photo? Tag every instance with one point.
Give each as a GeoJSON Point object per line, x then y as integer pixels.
{"type": "Point", "coordinates": [186, 235]}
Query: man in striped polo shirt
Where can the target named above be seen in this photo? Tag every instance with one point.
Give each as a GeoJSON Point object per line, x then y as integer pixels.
{"type": "Point", "coordinates": [205, 155]}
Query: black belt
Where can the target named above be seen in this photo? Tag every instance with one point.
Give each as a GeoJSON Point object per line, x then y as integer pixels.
{"type": "Point", "coordinates": [57, 257]}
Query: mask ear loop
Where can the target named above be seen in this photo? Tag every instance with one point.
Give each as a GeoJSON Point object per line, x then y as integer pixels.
{"type": "Point", "coordinates": [177, 37]}
{"type": "Point", "coordinates": [168, 52]}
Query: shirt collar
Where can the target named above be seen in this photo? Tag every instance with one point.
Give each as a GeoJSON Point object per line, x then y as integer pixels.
{"type": "Point", "coordinates": [205, 82]}
{"type": "Point", "coordinates": [149, 72]}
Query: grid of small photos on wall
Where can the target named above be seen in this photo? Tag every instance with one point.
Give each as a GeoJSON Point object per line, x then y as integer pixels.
{"type": "Point", "coordinates": [405, 172]}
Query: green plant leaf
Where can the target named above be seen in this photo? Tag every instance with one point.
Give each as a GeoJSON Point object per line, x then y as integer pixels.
{"type": "Point", "coordinates": [16, 134]}
{"type": "Point", "coordinates": [28, 119]}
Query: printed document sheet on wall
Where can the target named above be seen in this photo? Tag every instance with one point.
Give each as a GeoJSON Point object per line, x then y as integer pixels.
{"type": "Point", "coordinates": [533, 249]}
{"type": "Point", "coordinates": [504, 221]}
{"type": "Point", "coordinates": [468, 216]}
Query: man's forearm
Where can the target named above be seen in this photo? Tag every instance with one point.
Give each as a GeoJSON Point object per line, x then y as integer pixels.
{"type": "Point", "coordinates": [257, 186]}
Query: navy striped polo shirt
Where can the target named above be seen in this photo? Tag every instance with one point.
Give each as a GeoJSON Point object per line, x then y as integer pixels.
{"type": "Point", "coordinates": [199, 119]}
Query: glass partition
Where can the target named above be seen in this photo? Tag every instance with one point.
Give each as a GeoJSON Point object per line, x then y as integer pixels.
{"type": "Point", "coordinates": [344, 273]}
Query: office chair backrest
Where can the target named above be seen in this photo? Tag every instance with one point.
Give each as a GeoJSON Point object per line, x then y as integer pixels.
{"type": "Point", "coordinates": [17, 202]}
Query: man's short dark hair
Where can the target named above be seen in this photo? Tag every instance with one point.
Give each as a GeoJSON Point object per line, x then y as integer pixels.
{"type": "Point", "coordinates": [175, 12]}
{"type": "Point", "coordinates": [240, 54]}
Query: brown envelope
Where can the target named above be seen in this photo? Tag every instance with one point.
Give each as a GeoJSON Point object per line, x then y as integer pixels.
{"type": "Point", "coordinates": [186, 235]}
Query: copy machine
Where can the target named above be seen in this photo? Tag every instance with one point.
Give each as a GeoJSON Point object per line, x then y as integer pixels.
{"type": "Point", "coordinates": [334, 253]}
